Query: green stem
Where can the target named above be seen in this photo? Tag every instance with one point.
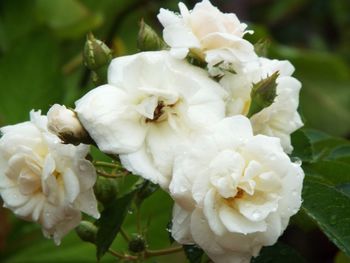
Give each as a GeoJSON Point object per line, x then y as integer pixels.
{"type": "Point", "coordinates": [124, 235]}
{"type": "Point", "coordinates": [122, 256]}
{"type": "Point", "coordinates": [107, 175]}
{"type": "Point", "coordinates": [106, 164]}
{"type": "Point", "coordinates": [138, 219]}
{"type": "Point", "coordinates": [73, 64]}
{"type": "Point", "coordinates": [161, 252]}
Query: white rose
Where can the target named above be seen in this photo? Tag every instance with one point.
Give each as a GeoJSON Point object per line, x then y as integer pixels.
{"type": "Point", "coordinates": [234, 192]}
{"type": "Point", "coordinates": [65, 124]}
{"type": "Point", "coordinates": [150, 106]}
{"type": "Point", "coordinates": [279, 119]}
{"type": "Point", "coordinates": [211, 35]}
{"type": "Point", "coordinates": [43, 180]}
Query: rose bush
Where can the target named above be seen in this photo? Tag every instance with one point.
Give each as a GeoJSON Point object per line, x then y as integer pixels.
{"type": "Point", "coordinates": [43, 180]}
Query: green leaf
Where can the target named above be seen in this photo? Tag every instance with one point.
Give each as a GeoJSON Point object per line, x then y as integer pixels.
{"type": "Point", "coordinates": [302, 146]}
{"type": "Point", "coordinates": [110, 222]}
{"type": "Point", "coordinates": [341, 153]}
{"type": "Point", "coordinates": [324, 147]}
{"type": "Point", "coordinates": [30, 78]}
{"type": "Point", "coordinates": [68, 18]}
{"type": "Point", "coordinates": [146, 189]}
{"type": "Point", "coordinates": [327, 87]}
{"type": "Point", "coordinates": [327, 149]}
{"type": "Point", "coordinates": [263, 94]}
{"type": "Point", "coordinates": [330, 172]}
{"type": "Point", "coordinates": [278, 253]}
{"type": "Point", "coordinates": [193, 253]}
{"type": "Point", "coordinates": [38, 249]}
{"type": "Point", "coordinates": [16, 23]}
{"type": "Point", "coordinates": [148, 39]}
{"type": "Point", "coordinates": [345, 188]}
{"type": "Point", "coordinates": [330, 208]}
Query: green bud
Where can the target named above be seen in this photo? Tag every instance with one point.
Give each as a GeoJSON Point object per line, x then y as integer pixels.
{"type": "Point", "coordinates": [261, 47]}
{"type": "Point", "coordinates": [96, 53]}
{"type": "Point", "coordinates": [137, 244]}
{"type": "Point", "coordinates": [263, 94]}
{"type": "Point", "coordinates": [148, 39]}
{"type": "Point", "coordinates": [87, 231]}
{"type": "Point", "coordinates": [97, 57]}
{"type": "Point", "coordinates": [106, 189]}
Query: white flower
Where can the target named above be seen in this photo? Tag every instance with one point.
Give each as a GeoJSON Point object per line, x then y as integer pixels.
{"type": "Point", "coordinates": [279, 119]}
{"type": "Point", "coordinates": [65, 124]}
{"type": "Point", "coordinates": [150, 106]}
{"type": "Point", "coordinates": [211, 35]}
{"type": "Point", "coordinates": [43, 180]}
{"type": "Point", "coordinates": [234, 192]}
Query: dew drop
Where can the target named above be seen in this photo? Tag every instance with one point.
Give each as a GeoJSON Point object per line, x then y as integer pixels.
{"type": "Point", "coordinates": [296, 160]}
{"type": "Point", "coordinates": [183, 189]}
{"type": "Point", "coordinates": [256, 215]}
{"type": "Point", "coordinates": [272, 157]}
{"type": "Point", "coordinates": [130, 211]}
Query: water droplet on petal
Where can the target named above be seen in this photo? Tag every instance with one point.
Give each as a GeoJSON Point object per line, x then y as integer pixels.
{"type": "Point", "coordinates": [272, 157]}
{"type": "Point", "coordinates": [256, 215]}
{"type": "Point", "coordinates": [296, 160]}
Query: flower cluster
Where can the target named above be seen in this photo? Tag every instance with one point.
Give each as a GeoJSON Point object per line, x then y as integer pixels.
{"type": "Point", "coordinates": [214, 136]}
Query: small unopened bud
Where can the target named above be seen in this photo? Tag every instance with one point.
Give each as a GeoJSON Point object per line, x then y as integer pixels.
{"type": "Point", "coordinates": [261, 47]}
{"type": "Point", "coordinates": [87, 231]}
{"type": "Point", "coordinates": [263, 94]}
{"type": "Point", "coordinates": [137, 244]}
{"type": "Point", "coordinates": [106, 190]}
{"type": "Point", "coordinates": [97, 57]}
{"type": "Point", "coordinates": [64, 123]}
{"type": "Point", "coordinates": [148, 39]}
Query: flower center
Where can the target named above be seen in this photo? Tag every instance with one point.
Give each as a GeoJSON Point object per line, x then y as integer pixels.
{"type": "Point", "coordinates": [230, 200]}
{"type": "Point", "coordinates": [160, 112]}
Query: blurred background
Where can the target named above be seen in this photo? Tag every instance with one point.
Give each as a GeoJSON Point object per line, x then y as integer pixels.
{"type": "Point", "coordinates": [41, 43]}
